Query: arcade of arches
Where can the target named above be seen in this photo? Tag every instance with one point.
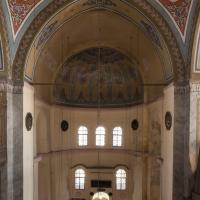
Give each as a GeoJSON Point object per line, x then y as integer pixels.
{"type": "Point", "coordinates": [99, 99]}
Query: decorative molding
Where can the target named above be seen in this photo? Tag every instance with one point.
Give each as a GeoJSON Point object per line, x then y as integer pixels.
{"type": "Point", "coordinates": [46, 33]}
{"type": "Point", "coordinates": [4, 44]}
{"type": "Point", "coordinates": [19, 61]}
{"type": "Point", "coordinates": [99, 3]}
{"type": "Point", "coordinates": [152, 33]}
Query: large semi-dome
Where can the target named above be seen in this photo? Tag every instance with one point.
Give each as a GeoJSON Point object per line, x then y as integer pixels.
{"type": "Point", "coordinates": [98, 77]}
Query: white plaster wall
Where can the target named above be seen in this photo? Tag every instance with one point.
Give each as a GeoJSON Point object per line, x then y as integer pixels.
{"type": "Point", "coordinates": [167, 146]}
{"type": "Point", "coordinates": [155, 122]}
{"type": "Point", "coordinates": [63, 153]}
{"type": "Point", "coordinates": [194, 142]}
{"type": "Point", "coordinates": [28, 106]}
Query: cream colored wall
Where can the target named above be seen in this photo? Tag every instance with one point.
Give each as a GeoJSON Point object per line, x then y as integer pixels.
{"type": "Point", "coordinates": [67, 154]}
{"type": "Point", "coordinates": [167, 147]}
{"type": "Point", "coordinates": [28, 106]}
{"type": "Point", "coordinates": [155, 123]}
{"type": "Point", "coordinates": [60, 153]}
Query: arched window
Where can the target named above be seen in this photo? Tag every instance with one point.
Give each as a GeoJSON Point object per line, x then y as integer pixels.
{"type": "Point", "coordinates": [121, 179]}
{"type": "Point", "coordinates": [117, 137]}
{"type": "Point", "coordinates": [100, 196]}
{"type": "Point", "coordinates": [80, 179]}
{"type": "Point", "coordinates": [100, 136]}
{"type": "Point", "coordinates": [82, 136]}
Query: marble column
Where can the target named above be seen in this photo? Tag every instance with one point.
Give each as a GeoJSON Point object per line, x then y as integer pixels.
{"type": "Point", "coordinates": [14, 133]}
{"type": "Point", "coordinates": [181, 167]}
{"type": "Point", "coordinates": [3, 152]}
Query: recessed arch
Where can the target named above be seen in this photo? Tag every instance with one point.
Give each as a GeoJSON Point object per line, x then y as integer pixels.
{"type": "Point", "coordinates": [143, 6]}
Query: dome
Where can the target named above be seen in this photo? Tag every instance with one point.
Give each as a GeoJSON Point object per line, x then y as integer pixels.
{"type": "Point", "coordinates": [98, 77]}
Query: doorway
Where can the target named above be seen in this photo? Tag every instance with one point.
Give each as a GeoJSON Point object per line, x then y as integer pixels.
{"type": "Point", "coordinates": [100, 196]}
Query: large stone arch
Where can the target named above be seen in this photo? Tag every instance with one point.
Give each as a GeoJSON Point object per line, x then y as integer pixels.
{"type": "Point", "coordinates": [180, 72]}
{"type": "Point", "coordinates": [180, 94]}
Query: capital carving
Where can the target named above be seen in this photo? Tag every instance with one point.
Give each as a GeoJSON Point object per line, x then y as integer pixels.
{"type": "Point", "coordinates": [195, 87]}
{"type": "Point", "coordinates": [182, 90]}
{"type": "Point", "coordinates": [6, 87]}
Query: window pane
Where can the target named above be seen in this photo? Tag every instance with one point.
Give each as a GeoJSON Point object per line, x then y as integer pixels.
{"type": "Point", "coordinates": [82, 136]}
{"type": "Point", "coordinates": [117, 136]}
{"type": "Point", "coordinates": [121, 179]}
{"type": "Point", "coordinates": [100, 136]}
{"type": "Point", "coordinates": [79, 179]}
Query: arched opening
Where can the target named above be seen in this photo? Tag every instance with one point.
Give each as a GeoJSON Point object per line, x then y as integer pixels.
{"type": "Point", "coordinates": [100, 196]}
{"type": "Point", "coordinates": [93, 77]}
{"type": "Point", "coordinates": [94, 65]}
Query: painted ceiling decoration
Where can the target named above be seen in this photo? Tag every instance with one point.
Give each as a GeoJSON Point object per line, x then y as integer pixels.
{"type": "Point", "coordinates": [99, 3]}
{"type": "Point", "coordinates": [98, 77]}
{"type": "Point", "coordinates": [46, 33]}
{"type": "Point", "coordinates": [56, 6]}
{"type": "Point", "coordinates": [152, 33]}
{"type": "Point", "coordinates": [179, 11]}
{"type": "Point", "coordinates": [19, 11]}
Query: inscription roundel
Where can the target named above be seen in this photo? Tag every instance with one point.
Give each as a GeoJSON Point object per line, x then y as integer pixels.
{"type": "Point", "coordinates": [64, 125]}
{"type": "Point", "coordinates": [168, 120]}
{"type": "Point", "coordinates": [29, 121]}
{"type": "Point", "coordinates": [135, 124]}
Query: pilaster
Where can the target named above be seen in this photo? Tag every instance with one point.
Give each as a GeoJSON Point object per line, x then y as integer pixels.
{"type": "Point", "coordinates": [14, 140]}
{"type": "Point", "coordinates": [181, 169]}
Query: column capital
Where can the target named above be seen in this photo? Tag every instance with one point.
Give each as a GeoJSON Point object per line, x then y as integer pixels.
{"type": "Point", "coordinates": [9, 87]}
{"type": "Point", "coordinates": [181, 89]}
{"type": "Point", "coordinates": [195, 86]}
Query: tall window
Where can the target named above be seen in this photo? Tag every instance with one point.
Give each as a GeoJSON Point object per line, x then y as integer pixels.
{"type": "Point", "coordinates": [121, 179]}
{"type": "Point", "coordinates": [100, 136]}
{"type": "Point", "coordinates": [117, 137]}
{"type": "Point", "coordinates": [79, 179]}
{"type": "Point", "coordinates": [82, 136]}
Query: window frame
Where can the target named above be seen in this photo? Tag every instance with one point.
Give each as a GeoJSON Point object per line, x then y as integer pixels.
{"type": "Point", "coordinates": [99, 135]}
{"type": "Point", "coordinates": [80, 135]}
{"type": "Point", "coordinates": [79, 175]}
{"type": "Point", "coordinates": [121, 179]}
{"type": "Point", "coordinates": [118, 134]}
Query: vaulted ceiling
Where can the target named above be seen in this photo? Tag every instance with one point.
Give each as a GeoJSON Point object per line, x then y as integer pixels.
{"type": "Point", "coordinates": [178, 13]}
{"type": "Point", "coordinates": [44, 34]}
